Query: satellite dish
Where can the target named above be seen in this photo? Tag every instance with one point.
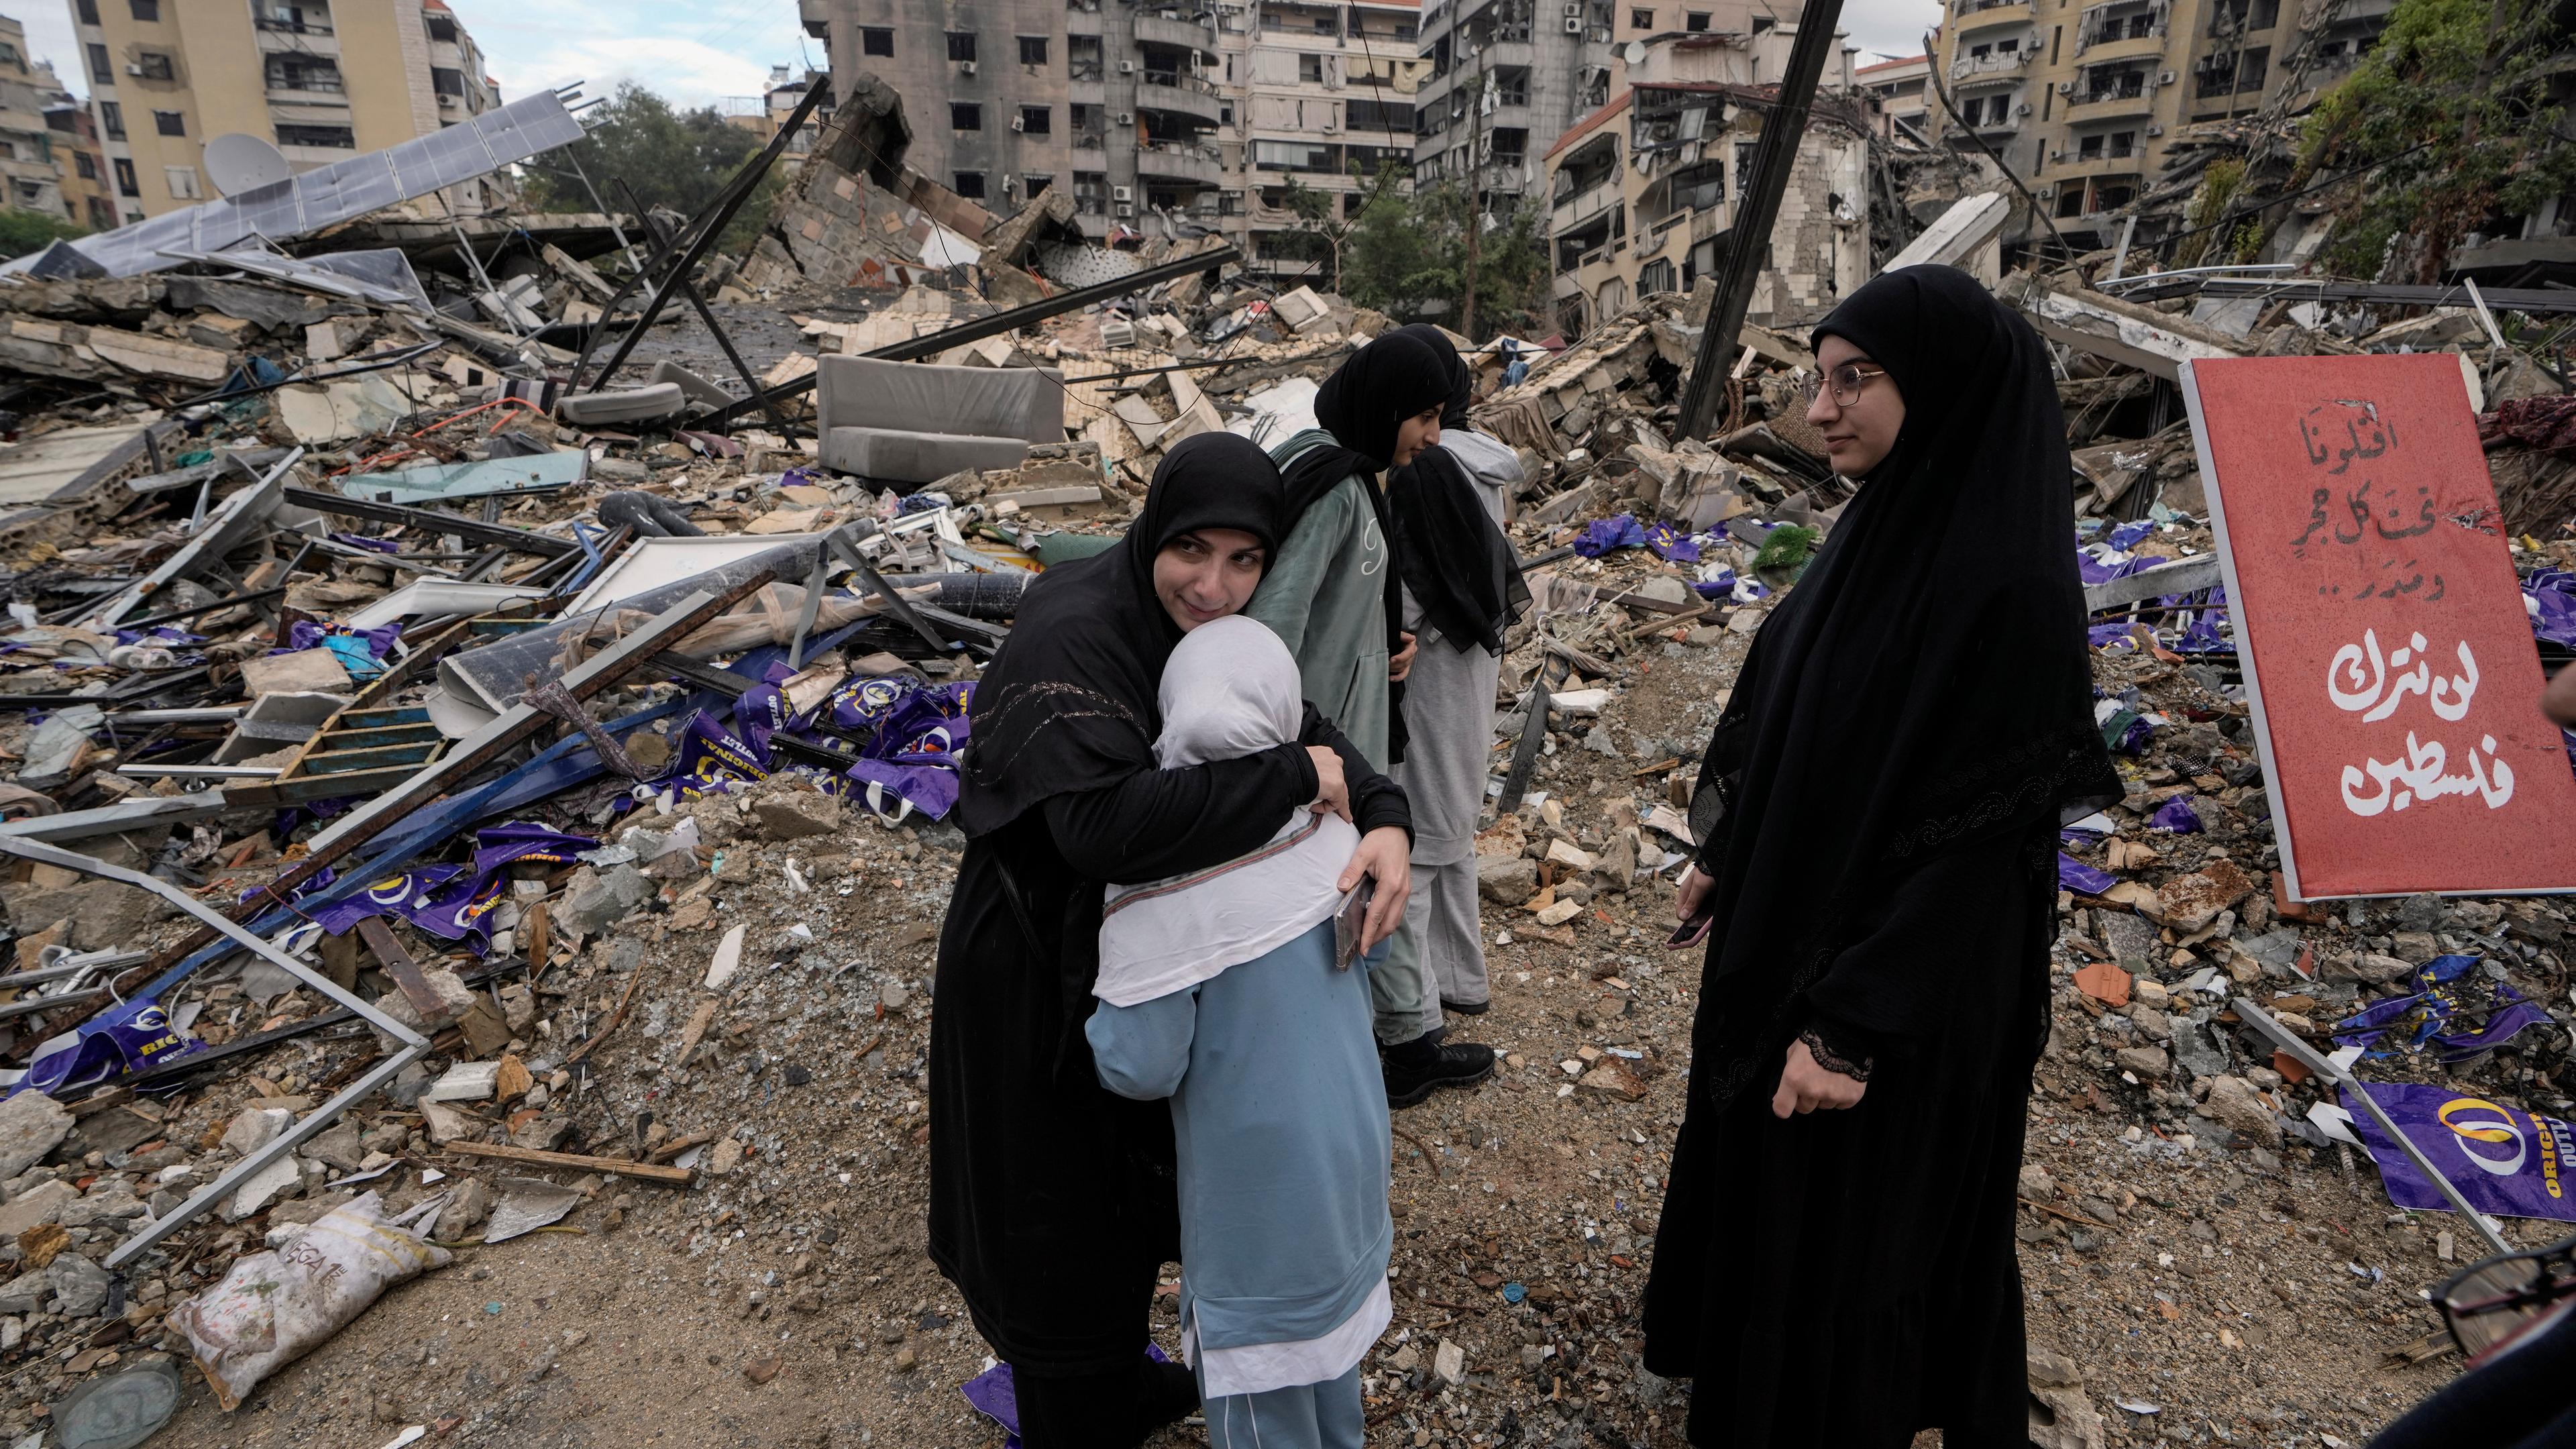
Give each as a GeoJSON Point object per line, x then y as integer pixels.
{"type": "Point", "coordinates": [1636, 52]}
{"type": "Point", "coordinates": [241, 162]}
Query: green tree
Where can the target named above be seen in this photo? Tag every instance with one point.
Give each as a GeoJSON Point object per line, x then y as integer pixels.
{"type": "Point", "coordinates": [670, 158]}
{"type": "Point", "coordinates": [2450, 118]}
{"type": "Point", "coordinates": [1408, 259]}
{"type": "Point", "coordinates": [22, 232]}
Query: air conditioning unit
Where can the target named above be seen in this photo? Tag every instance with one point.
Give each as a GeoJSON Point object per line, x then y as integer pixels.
{"type": "Point", "coordinates": [1573, 25]}
{"type": "Point", "coordinates": [133, 69]}
{"type": "Point", "coordinates": [966, 66]}
{"type": "Point", "coordinates": [1126, 67]}
{"type": "Point", "coordinates": [2066, 88]}
{"type": "Point", "coordinates": [1126, 208]}
{"type": "Point", "coordinates": [2155, 128]}
{"type": "Point", "coordinates": [2022, 110]}
{"type": "Point", "coordinates": [1126, 118]}
{"type": "Point", "coordinates": [447, 100]}
{"type": "Point", "coordinates": [1019, 123]}
{"type": "Point", "coordinates": [1122, 194]}
{"type": "Point", "coordinates": [2046, 192]}
{"type": "Point", "coordinates": [2164, 77]}
{"type": "Point", "coordinates": [1574, 7]}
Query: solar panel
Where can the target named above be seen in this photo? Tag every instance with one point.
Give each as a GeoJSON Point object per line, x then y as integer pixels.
{"type": "Point", "coordinates": [344, 189]}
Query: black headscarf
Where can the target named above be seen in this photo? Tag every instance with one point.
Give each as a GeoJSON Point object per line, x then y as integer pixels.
{"type": "Point", "coordinates": [1449, 549]}
{"type": "Point", "coordinates": [1362, 405]}
{"type": "Point", "coordinates": [1069, 704]}
{"type": "Point", "coordinates": [1924, 686]}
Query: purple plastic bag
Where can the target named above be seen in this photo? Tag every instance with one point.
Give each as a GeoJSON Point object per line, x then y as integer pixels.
{"type": "Point", "coordinates": [128, 1037]}
{"type": "Point", "coordinates": [2445, 987]}
{"type": "Point", "coordinates": [2075, 875]}
{"type": "Point", "coordinates": [995, 1395]}
{"type": "Point", "coordinates": [1671, 543]}
{"type": "Point", "coordinates": [1609, 535]}
{"type": "Point", "coordinates": [2128, 535]}
{"type": "Point", "coordinates": [2504, 1161]}
{"type": "Point", "coordinates": [2550, 596]}
{"type": "Point", "coordinates": [2176, 815]}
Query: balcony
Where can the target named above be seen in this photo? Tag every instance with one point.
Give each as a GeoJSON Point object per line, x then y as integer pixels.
{"type": "Point", "coordinates": [1999, 65]}
{"type": "Point", "coordinates": [2064, 166]}
{"type": "Point", "coordinates": [1186, 165]}
{"type": "Point", "coordinates": [1583, 206]}
{"type": "Point", "coordinates": [1179, 34]}
{"type": "Point", "coordinates": [1995, 128]}
{"type": "Point", "coordinates": [1979, 15]}
{"type": "Point", "coordinates": [1179, 94]}
{"type": "Point", "coordinates": [2098, 27]}
{"type": "Point", "coordinates": [2108, 102]}
{"type": "Point", "coordinates": [287, 26]}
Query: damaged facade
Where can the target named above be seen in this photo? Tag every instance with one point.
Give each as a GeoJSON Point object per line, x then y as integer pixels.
{"type": "Point", "coordinates": [1642, 191]}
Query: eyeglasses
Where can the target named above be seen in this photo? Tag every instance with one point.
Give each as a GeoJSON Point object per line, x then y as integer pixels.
{"type": "Point", "coordinates": [1848, 380]}
{"type": "Point", "coordinates": [2494, 1303]}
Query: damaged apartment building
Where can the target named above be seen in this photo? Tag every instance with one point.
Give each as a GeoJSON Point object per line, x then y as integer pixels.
{"type": "Point", "coordinates": [1158, 119]}
{"type": "Point", "coordinates": [2088, 105]}
{"type": "Point", "coordinates": [1642, 190]}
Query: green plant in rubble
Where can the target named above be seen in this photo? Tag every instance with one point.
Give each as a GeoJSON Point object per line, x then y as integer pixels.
{"type": "Point", "coordinates": [1789, 546]}
{"type": "Point", "coordinates": [2450, 124]}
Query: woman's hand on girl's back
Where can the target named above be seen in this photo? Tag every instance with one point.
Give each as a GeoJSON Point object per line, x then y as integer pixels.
{"type": "Point", "coordinates": [1332, 791]}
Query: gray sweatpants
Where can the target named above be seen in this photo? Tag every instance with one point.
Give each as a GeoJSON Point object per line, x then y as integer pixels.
{"type": "Point", "coordinates": [1449, 714]}
{"type": "Point", "coordinates": [1311, 1416]}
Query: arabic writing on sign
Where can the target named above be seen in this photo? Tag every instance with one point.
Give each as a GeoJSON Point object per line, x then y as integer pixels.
{"type": "Point", "coordinates": [2378, 695]}
{"type": "Point", "coordinates": [2348, 428]}
{"type": "Point", "coordinates": [2360, 680]}
{"type": "Point", "coordinates": [2418, 775]}
{"type": "Point", "coordinates": [2362, 512]}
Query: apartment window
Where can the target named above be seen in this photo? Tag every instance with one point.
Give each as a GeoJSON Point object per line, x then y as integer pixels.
{"type": "Point", "coordinates": [1324, 25]}
{"type": "Point", "coordinates": [8, 150]}
{"type": "Point", "coordinates": [961, 45]}
{"type": "Point", "coordinates": [1083, 117]}
{"type": "Point", "coordinates": [125, 183]}
{"type": "Point", "coordinates": [1695, 21]}
{"type": "Point", "coordinates": [88, 11]}
{"type": "Point", "coordinates": [101, 69]}
{"type": "Point", "coordinates": [1310, 69]}
{"type": "Point", "coordinates": [965, 116]}
{"type": "Point", "coordinates": [2267, 13]}
{"type": "Point", "coordinates": [182, 181]}
{"type": "Point", "coordinates": [970, 184]}
{"type": "Point", "coordinates": [85, 165]}
{"type": "Point", "coordinates": [2217, 75]}
{"type": "Point", "coordinates": [2251, 72]}
{"type": "Point", "coordinates": [102, 215]}
{"type": "Point", "coordinates": [446, 82]}
{"type": "Point", "coordinates": [2089, 149]}
{"type": "Point", "coordinates": [2124, 143]}
{"type": "Point", "coordinates": [170, 123]}
{"type": "Point", "coordinates": [111, 119]}
{"type": "Point", "coordinates": [2111, 198]}
{"type": "Point", "coordinates": [440, 27]}
{"type": "Point", "coordinates": [1655, 276]}
{"type": "Point", "coordinates": [337, 138]}
{"type": "Point", "coordinates": [8, 54]}
{"type": "Point", "coordinates": [1641, 19]}
{"type": "Point", "coordinates": [288, 72]}
{"type": "Point", "coordinates": [146, 10]}
{"type": "Point", "coordinates": [876, 40]}
{"type": "Point", "coordinates": [156, 66]}
{"type": "Point", "coordinates": [1038, 181]}
{"type": "Point", "coordinates": [1037, 121]}
{"type": "Point", "coordinates": [1033, 50]}
{"type": "Point", "coordinates": [2071, 202]}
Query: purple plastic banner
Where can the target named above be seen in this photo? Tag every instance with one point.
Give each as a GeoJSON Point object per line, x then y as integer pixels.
{"type": "Point", "coordinates": [2505, 1161]}
{"type": "Point", "coordinates": [125, 1038]}
{"type": "Point", "coordinates": [2447, 989]}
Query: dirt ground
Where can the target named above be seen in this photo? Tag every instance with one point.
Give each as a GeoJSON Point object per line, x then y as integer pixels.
{"type": "Point", "coordinates": [2206, 1295]}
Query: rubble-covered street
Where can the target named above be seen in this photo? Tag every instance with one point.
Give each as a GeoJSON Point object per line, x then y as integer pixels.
{"type": "Point", "coordinates": [570, 753]}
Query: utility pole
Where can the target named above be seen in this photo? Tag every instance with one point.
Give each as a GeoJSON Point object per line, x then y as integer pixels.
{"type": "Point", "coordinates": [1747, 241]}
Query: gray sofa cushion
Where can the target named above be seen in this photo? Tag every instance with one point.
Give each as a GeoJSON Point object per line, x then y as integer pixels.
{"type": "Point", "coordinates": [902, 456]}
{"type": "Point", "coordinates": [626, 405]}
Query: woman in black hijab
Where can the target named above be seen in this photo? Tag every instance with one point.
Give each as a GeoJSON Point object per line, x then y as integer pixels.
{"type": "Point", "coordinates": [1052, 1202]}
{"type": "Point", "coordinates": [1462, 589]}
{"type": "Point", "coordinates": [1835, 1261]}
{"type": "Point", "coordinates": [1334, 597]}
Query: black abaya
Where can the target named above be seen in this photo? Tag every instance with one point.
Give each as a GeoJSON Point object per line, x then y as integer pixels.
{"type": "Point", "coordinates": [1052, 1201]}
{"type": "Point", "coordinates": [1874, 814]}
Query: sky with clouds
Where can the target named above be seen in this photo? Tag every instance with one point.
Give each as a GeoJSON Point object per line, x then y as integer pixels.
{"type": "Point", "coordinates": [697, 52]}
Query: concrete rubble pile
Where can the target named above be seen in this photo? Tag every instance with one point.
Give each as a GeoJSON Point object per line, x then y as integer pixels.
{"type": "Point", "coordinates": [627, 742]}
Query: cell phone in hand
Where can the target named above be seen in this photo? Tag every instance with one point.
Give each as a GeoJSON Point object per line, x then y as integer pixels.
{"type": "Point", "coordinates": [1350, 921]}
{"type": "Point", "coordinates": [1689, 933]}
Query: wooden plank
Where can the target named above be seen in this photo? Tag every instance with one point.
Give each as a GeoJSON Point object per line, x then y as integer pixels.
{"type": "Point", "coordinates": [472, 530]}
{"type": "Point", "coordinates": [405, 971]}
{"type": "Point", "coordinates": [575, 1162]}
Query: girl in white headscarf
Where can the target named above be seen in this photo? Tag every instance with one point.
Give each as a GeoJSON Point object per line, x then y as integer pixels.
{"type": "Point", "coordinates": [1222, 991]}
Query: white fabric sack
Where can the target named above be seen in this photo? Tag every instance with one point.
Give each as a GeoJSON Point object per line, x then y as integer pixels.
{"type": "Point", "coordinates": [274, 1306]}
{"type": "Point", "coordinates": [1230, 689]}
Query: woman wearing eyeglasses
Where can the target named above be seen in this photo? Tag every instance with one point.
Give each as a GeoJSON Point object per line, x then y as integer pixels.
{"type": "Point", "coordinates": [1876, 811]}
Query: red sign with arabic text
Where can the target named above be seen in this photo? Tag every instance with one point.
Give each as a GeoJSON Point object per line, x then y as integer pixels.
{"type": "Point", "coordinates": [2382, 632]}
